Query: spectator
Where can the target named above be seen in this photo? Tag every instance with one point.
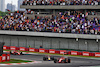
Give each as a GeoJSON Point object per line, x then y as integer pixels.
{"type": "Point", "coordinates": [63, 22]}
{"type": "Point", "coordinates": [61, 2]}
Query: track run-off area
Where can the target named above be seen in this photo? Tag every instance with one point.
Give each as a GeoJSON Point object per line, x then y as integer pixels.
{"type": "Point", "coordinates": [75, 62]}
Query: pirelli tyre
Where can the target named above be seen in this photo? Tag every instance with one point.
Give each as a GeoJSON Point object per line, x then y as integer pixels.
{"type": "Point", "coordinates": [44, 58]}
{"type": "Point", "coordinates": [55, 61]}
{"type": "Point", "coordinates": [69, 61]}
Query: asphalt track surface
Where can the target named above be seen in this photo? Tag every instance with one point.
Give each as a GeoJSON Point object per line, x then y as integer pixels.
{"type": "Point", "coordinates": [75, 62]}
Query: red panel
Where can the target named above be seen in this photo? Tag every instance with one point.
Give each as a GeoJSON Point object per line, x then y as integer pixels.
{"type": "Point", "coordinates": [73, 52]}
{"type": "Point", "coordinates": [52, 51]}
{"type": "Point", "coordinates": [91, 54]}
{"type": "Point", "coordinates": [8, 57]}
{"type": "Point", "coordinates": [12, 48]}
{"type": "Point", "coordinates": [47, 51]}
{"type": "Point", "coordinates": [17, 48]}
{"type": "Point", "coordinates": [97, 54]}
{"type": "Point", "coordinates": [26, 49]}
{"type": "Point", "coordinates": [32, 49]}
{"type": "Point", "coordinates": [85, 53]}
{"type": "Point", "coordinates": [36, 50]}
{"type": "Point", "coordinates": [79, 53]}
{"type": "Point", "coordinates": [0, 58]}
{"type": "Point", "coordinates": [57, 52]}
{"type": "Point", "coordinates": [3, 57]}
{"type": "Point", "coordinates": [42, 50]}
{"type": "Point", "coordinates": [62, 51]}
{"type": "Point", "coordinates": [22, 48]}
{"type": "Point", "coordinates": [8, 48]}
{"type": "Point", "coordinates": [5, 47]}
{"type": "Point", "coordinates": [69, 52]}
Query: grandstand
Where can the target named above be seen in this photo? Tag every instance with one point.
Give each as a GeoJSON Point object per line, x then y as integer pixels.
{"type": "Point", "coordinates": [52, 7]}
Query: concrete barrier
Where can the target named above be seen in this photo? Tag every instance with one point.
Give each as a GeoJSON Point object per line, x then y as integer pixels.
{"type": "Point", "coordinates": [60, 7]}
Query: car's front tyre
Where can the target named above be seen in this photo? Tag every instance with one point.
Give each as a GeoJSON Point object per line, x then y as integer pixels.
{"type": "Point", "coordinates": [44, 58]}
{"type": "Point", "coordinates": [55, 60]}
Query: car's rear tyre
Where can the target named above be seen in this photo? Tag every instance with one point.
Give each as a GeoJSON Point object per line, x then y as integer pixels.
{"type": "Point", "coordinates": [69, 60]}
{"type": "Point", "coordinates": [44, 58]}
{"type": "Point", "coordinates": [55, 60]}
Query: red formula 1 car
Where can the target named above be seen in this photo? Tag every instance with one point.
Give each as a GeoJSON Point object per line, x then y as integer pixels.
{"type": "Point", "coordinates": [62, 60]}
{"type": "Point", "coordinates": [16, 53]}
{"type": "Point", "coordinates": [48, 58]}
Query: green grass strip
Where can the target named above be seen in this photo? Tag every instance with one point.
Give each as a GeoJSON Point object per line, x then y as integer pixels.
{"type": "Point", "coordinates": [15, 61]}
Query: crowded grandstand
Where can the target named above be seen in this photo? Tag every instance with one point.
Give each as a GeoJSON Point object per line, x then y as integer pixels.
{"type": "Point", "coordinates": [64, 21]}
{"type": "Point", "coordinates": [61, 2]}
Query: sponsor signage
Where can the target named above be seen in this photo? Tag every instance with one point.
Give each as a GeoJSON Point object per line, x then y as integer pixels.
{"type": "Point", "coordinates": [42, 50]}
{"type": "Point", "coordinates": [85, 53]}
{"type": "Point", "coordinates": [97, 54]}
{"type": "Point", "coordinates": [32, 49]}
{"type": "Point", "coordinates": [63, 51]}
{"type": "Point", "coordinates": [12, 48]}
{"type": "Point", "coordinates": [22, 48]}
{"type": "Point", "coordinates": [8, 57]}
{"type": "Point", "coordinates": [52, 51]}
{"type": "Point", "coordinates": [73, 52]}
{"type": "Point", "coordinates": [4, 47]}
{"type": "Point", "coordinates": [3, 57]}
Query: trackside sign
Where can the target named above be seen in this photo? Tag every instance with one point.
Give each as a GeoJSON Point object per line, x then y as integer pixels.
{"type": "Point", "coordinates": [4, 47]}
{"type": "Point", "coordinates": [22, 48]}
{"type": "Point", "coordinates": [52, 51]}
{"type": "Point", "coordinates": [85, 53]}
{"type": "Point", "coordinates": [32, 49]}
{"type": "Point", "coordinates": [62, 51]}
{"type": "Point", "coordinates": [73, 52]}
{"type": "Point", "coordinates": [42, 50]}
{"type": "Point", "coordinates": [97, 54]}
{"type": "Point", "coordinates": [12, 48]}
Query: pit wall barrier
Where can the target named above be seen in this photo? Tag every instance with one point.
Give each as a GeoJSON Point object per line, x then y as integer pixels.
{"type": "Point", "coordinates": [5, 57]}
{"type": "Point", "coordinates": [53, 51]}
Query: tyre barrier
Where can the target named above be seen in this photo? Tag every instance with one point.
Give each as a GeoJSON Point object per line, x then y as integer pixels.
{"type": "Point", "coordinates": [53, 51]}
{"type": "Point", "coordinates": [5, 57]}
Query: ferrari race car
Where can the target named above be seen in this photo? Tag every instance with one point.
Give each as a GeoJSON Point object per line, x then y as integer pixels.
{"type": "Point", "coordinates": [62, 60]}
{"type": "Point", "coordinates": [48, 57]}
{"type": "Point", "coordinates": [16, 53]}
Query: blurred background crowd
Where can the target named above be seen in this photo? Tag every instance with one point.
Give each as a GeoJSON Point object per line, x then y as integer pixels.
{"type": "Point", "coordinates": [61, 2]}
{"type": "Point", "coordinates": [71, 21]}
{"type": "Point", "coordinates": [63, 22]}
